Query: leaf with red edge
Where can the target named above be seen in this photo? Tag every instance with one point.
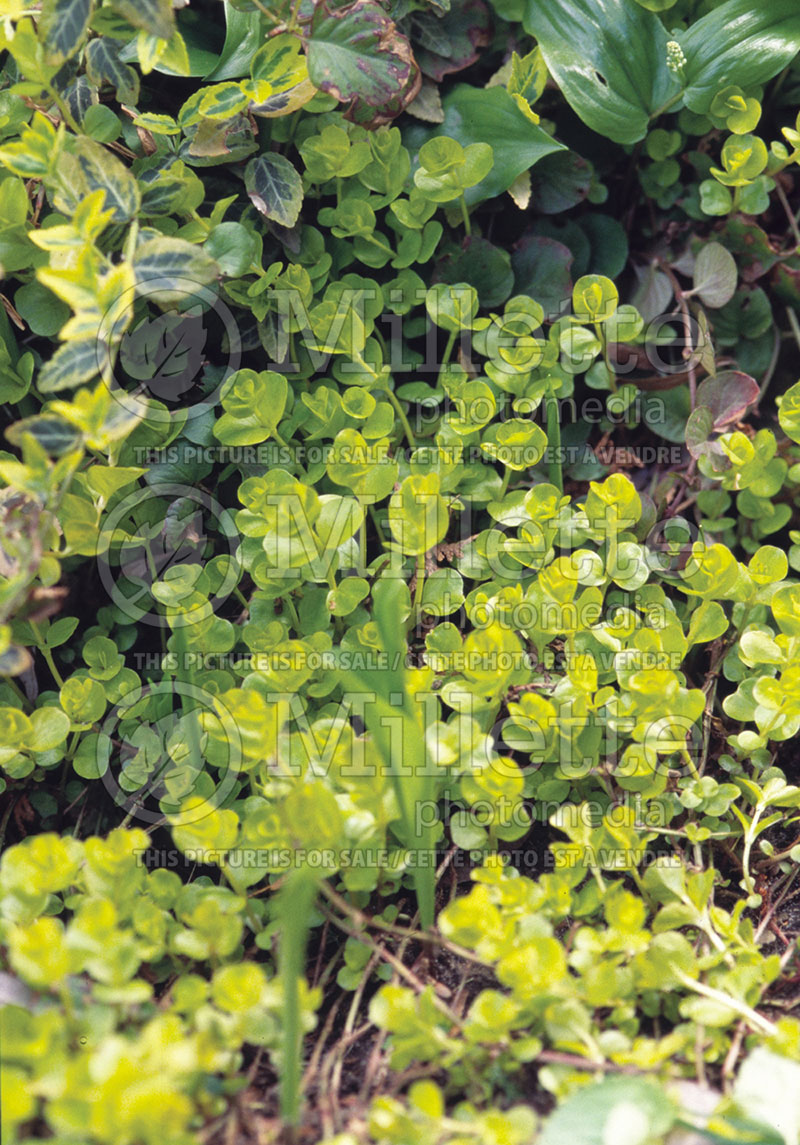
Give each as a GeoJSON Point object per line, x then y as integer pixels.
{"type": "Point", "coordinates": [358, 55]}
{"type": "Point", "coordinates": [727, 396]}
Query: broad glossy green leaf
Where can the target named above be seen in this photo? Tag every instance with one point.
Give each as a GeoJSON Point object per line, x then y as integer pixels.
{"type": "Point", "coordinates": [743, 43]}
{"type": "Point", "coordinates": [609, 57]}
{"type": "Point", "coordinates": [490, 115]}
{"type": "Point", "coordinates": [243, 36]}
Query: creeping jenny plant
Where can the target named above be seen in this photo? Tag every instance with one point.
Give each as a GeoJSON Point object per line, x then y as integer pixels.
{"type": "Point", "coordinates": [355, 699]}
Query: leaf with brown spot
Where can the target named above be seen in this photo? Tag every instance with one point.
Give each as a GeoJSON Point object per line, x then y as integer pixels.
{"type": "Point", "coordinates": [357, 55]}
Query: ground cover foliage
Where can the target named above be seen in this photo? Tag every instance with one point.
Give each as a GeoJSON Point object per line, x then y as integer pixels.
{"type": "Point", "coordinates": [399, 588]}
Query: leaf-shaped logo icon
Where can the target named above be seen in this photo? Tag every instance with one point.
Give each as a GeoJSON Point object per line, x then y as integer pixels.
{"type": "Point", "coordinates": [166, 353]}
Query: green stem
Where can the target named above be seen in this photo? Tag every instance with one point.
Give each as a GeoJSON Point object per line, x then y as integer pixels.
{"type": "Point", "coordinates": [63, 108]}
{"type": "Point", "coordinates": [747, 1012]}
{"type": "Point", "coordinates": [295, 906]}
{"type": "Point", "coordinates": [373, 516]}
{"type": "Point", "coordinates": [398, 409]}
{"type": "Point", "coordinates": [377, 242]}
{"type": "Point", "coordinates": [288, 604]}
{"type": "Point", "coordinates": [687, 759]}
{"type": "Point", "coordinates": [554, 442]}
{"type": "Point", "coordinates": [362, 548]}
{"type": "Point", "coordinates": [612, 376]}
{"type": "Point", "coordinates": [419, 585]}
{"type": "Point", "coordinates": [504, 486]}
{"type": "Point", "coordinates": [23, 699]}
{"type": "Point", "coordinates": [185, 674]}
{"type": "Point", "coordinates": [203, 222]}
{"type": "Point", "coordinates": [666, 106]}
{"type": "Point", "coordinates": [448, 350]}
{"type": "Point", "coordinates": [293, 17]}
{"type": "Point", "coordinates": [48, 655]}
{"type": "Point", "coordinates": [465, 215]}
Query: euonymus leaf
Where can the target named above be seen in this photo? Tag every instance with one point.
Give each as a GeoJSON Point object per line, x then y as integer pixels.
{"type": "Point", "coordinates": [740, 43]}
{"type": "Point", "coordinates": [609, 57]}
{"type": "Point", "coordinates": [71, 365]}
{"type": "Point", "coordinates": [357, 55]}
{"type": "Point", "coordinates": [104, 66]}
{"type": "Point", "coordinates": [63, 25]}
{"type": "Point", "coordinates": [169, 269]}
{"type": "Point", "coordinates": [153, 16]}
{"type": "Point", "coordinates": [275, 188]}
{"type": "Point", "coordinates": [54, 434]}
{"type": "Point", "coordinates": [104, 171]}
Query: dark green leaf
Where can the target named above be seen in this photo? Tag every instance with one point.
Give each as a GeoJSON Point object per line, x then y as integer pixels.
{"type": "Point", "coordinates": [609, 57]}
{"type": "Point", "coordinates": [478, 115]}
{"type": "Point", "coordinates": [741, 43]}
{"type": "Point", "coordinates": [559, 182]}
{"type": "Point", "coordinates": [55, 435]}
{"type": "Point", "coordinates": [451, 42]}
{"type": "Point", "coordinates": [243, 38]}
{"type": "Point", "coordinates": [482, 265]}
{"type": "Point", "coordinates": [542, 270]}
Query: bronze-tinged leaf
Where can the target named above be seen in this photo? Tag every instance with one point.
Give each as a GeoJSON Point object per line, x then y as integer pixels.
{"type": "Point", "coordinates": [727, 396]}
